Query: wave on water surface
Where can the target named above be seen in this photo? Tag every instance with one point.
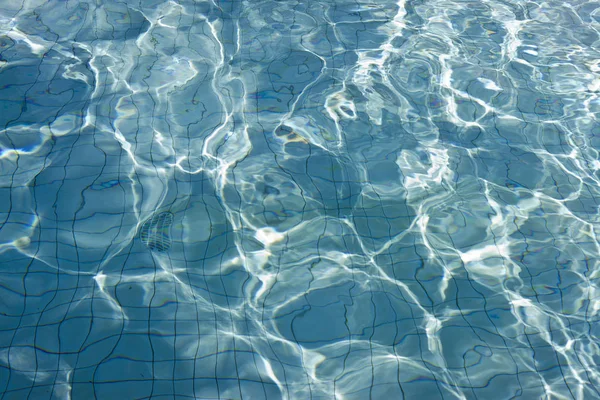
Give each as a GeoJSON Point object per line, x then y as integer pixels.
{"type": "Point", "coordinates": [299, 200]}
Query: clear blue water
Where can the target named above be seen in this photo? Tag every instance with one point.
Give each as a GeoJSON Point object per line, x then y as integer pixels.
{"type": "Point", "coordinates": [321, 199]}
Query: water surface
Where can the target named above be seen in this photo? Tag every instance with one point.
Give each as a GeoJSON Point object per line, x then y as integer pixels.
{"type": "Point", "coordinates": [299, 199]}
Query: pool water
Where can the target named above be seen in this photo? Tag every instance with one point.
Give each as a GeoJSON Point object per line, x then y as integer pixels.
{"type": "Point", "coordinates": [324, 199]}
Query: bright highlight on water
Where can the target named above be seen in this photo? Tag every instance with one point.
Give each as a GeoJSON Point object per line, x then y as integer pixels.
{"type": "Point", "coordinates": [299, 199]}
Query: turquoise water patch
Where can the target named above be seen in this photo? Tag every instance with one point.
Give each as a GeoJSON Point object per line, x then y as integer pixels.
{"type": "Point", "coordinates": [299, 200]}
